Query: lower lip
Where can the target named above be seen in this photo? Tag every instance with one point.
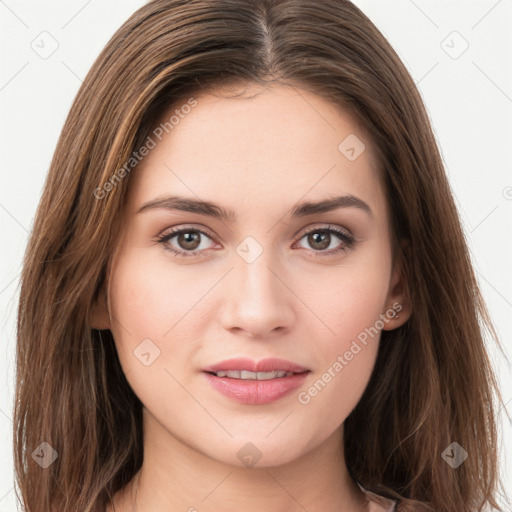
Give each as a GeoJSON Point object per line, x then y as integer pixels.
{"type": "Point", "coordinates": [256, 392]}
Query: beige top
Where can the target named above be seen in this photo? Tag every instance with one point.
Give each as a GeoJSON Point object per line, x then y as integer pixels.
{"type": "Point", "coordinates": [379, 503]}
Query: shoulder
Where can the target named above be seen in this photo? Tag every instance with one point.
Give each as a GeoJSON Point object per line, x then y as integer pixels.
{"type": "Point", "coordinates": [378, 503]}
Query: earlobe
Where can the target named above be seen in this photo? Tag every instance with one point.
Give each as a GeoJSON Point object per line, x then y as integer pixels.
{"type": "Point", "coordinates": [399, 307]}
{"type": "Point", "coordinates": [100, 318]}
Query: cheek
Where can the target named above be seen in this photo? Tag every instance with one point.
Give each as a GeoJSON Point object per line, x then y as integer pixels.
{"type": "Point", "coordinates": [344, 359]}
{"type": "Point", "coordinates": [347, 299]}
{"type": "Point", "coordinates": [143, 309]}
{"type": "Point", "coordinates": [149, 305]}
{"type": "Point", "coordinates": [333, 393]}
{"type": "Point", "coordinates": [147, 298]}
{"type": "Point", "coordinates": [155, 308]}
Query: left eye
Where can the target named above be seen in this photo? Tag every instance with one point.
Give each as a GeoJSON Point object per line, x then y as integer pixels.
{"type": "Point", "coordinates": [321, 238]}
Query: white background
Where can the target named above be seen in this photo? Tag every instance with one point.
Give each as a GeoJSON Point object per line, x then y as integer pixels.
{"type": "Point", "coordinates": [469, 100]}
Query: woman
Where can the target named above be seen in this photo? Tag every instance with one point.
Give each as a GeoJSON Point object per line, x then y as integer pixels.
{"type": "Point", "coordinates": [249, 254]}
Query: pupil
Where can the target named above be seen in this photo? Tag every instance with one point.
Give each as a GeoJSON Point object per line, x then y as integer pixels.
{"type": "Point", "coordinates": [189, 240]}
{"type": "Point", "coordinates": [320, 238]}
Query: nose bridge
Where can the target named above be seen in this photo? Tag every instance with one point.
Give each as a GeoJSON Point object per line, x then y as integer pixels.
{"type": "Point", "coordinates": [255, 279]}
{"type": "Point", "coordinates": [257, 301]}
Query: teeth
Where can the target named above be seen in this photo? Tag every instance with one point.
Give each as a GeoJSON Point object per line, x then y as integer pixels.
{"type": "Point", "coordinates": [246, 375]}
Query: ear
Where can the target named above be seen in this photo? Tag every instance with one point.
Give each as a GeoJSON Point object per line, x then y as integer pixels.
{"type": "Point", "coordinates": [398, 301]}
{"type": "Point", "coordinates": [100, 318]}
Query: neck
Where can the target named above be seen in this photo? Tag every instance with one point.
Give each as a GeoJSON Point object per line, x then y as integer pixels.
{"type": "Point", "coordinates": [175, 476]}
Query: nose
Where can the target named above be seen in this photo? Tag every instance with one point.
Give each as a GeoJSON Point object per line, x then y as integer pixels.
{"type": "Point", "coordinates": [258, 300]}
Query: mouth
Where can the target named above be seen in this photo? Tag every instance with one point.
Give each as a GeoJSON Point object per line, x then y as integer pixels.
{"type": "Point", "coordinates": [250, 382]}
{"type": "Point", "coordinates": [247, 375]}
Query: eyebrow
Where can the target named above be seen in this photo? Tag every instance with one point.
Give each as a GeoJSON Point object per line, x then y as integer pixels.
{"type": "Point", "coordinates": [213, 210]}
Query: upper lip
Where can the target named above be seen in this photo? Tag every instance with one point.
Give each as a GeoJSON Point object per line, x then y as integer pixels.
{"type": "Point", "coordinates": [263, 365]}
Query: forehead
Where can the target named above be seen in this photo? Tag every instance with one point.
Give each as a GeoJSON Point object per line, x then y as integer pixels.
{"type": "Point", "coordinates": [265, 147]}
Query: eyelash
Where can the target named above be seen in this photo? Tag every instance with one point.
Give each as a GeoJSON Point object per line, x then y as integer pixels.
{"type": "Point", "coordinates": [348, 241]}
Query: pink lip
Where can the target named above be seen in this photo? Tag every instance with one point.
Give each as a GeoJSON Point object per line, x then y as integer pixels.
{"type": "Point", "coordinates": [264, 365]}
{"type": "Point", "coordinates": [256, 391]}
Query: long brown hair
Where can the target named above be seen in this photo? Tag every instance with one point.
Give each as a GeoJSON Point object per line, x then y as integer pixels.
{"type": "Point", "coordinates": [433, 383]}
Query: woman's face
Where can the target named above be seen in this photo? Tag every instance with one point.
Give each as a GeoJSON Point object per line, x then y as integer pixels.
{"type": "Point", "coordinates": [262, 282]}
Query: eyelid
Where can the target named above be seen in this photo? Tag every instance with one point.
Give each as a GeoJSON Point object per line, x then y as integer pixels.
{"type": "Point", "coordinates": [325, 226]}
{"type": "Point", "coordinates": [345, 236]}
{"type": "Point", "coordinates": [348, 240]}
{"type": "Point", "coordinates": [174, 230]}
{"type": "Point", "coordinates": [304, 231]}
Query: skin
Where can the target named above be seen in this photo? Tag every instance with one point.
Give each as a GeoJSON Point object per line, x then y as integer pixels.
{"type": "Point", "coordinates": [259, 156]}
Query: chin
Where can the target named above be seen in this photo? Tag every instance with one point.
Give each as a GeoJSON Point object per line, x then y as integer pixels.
{"type": "Point", "coordinates": [257, 452]}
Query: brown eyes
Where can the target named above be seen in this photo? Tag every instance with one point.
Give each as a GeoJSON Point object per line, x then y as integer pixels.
{"type": "Point", "coordinates": [188, 240]}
